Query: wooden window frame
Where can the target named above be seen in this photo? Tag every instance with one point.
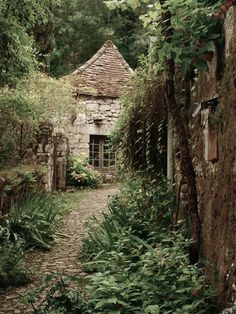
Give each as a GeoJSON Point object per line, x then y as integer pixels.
{"type": "Point", "coordinates": [100, 142]}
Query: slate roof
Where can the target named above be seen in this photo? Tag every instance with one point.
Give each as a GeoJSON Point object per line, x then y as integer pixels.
{"type": "Point", "coordinates": [105, 74]}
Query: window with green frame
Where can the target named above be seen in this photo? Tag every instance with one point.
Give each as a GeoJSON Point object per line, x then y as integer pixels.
{"type": "Point", "coordinates": [101, 154]}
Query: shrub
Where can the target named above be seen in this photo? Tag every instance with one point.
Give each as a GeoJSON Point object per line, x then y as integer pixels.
{"type": "Point", "coordinates": [142, 209]}
{"type": "Point", "coordinates": [138, 264]}
{"type": "Point", "coordinates": [34, 100]}
{"type": "Point", "coordinates": [148, 280]}
{"type": "Point", "coordinates": [141, 265]}
{"type": "Point", "coordinates": [59, 297]}
{"type": "Point", "coordinates": [35, 220]}
{"type": "Point", "coordinates": [12, 270]}
{"type": "Point", "coordinates": [80, 173]}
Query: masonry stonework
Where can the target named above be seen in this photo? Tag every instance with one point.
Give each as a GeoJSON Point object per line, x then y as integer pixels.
{"type": "Point", "coordinates": [216, 179]}
{"type": "Point", "coordinates": [97, 86]}
{"type": "Point", "coordinates": [99, 118]}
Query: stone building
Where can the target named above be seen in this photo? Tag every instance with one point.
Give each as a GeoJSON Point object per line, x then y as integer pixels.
{"type": "Point", "coordinates": [97, 86]}
{"type": "Point", "coordinates": [213, 142]}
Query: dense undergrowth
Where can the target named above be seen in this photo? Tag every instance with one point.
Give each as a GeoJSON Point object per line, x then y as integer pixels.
{"type": "Point", "coordinates": [136, 260]}
{"type": "Point", "coordinates": [33, 222]}
{"type": "Point", "coordinates": [81, 174]}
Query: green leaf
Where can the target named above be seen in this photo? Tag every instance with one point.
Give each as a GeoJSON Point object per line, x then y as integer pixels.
{"type": "Point", "coordinates": [152, 309]}
{"type": "Point", "coordinates": [185, 67]}
{"type": "Point", "coordinates": [201, 65]}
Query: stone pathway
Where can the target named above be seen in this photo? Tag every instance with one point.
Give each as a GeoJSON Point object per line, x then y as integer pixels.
{"type": "Point", "coordinates": [62, 258]}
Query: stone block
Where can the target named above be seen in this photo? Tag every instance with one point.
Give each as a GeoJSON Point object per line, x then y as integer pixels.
{"type": "Point", "coordinates": [81, 119]}
{"type": "Point", "coordinates": [105, 107]}
{"type": "Point", "coordinates": [116, 106]}
{"type": "Point", "coordinates": [84, 138]}
{"type": "Point", "coordinates": [230, 30]}
{"type": "Point", "coordinates": [92, 106]}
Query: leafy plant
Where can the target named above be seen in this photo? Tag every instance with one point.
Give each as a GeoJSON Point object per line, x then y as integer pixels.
{"type": "Point", "coordinates": [12, 268]}
{"type": "Point", "coordinates": [137, 263]}
{"type": "Point", "coordinates": [80, 173]}
{"type": "Point", "coordinates": [60, 298]}
{"type": "Point", "coordinates": [33, 101]}
{"type": "Point", "coordinates": [35, 220]}
{"type": "Point", "coordinates": [196, 26]}
{"type": "Point", "coordinates": [21, 23]}
{"type": "Point", "coordinates": [140, 264]}
{"type": "Point", "coordinates": [141, 210]}
{"type": "Point", "coordinates": [140, 133]}
{"type": "Point", "coordinates": [149, 280]}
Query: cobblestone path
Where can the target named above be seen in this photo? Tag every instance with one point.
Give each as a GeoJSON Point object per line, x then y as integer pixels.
{"type": "Point", "coordinates": [62, 258]}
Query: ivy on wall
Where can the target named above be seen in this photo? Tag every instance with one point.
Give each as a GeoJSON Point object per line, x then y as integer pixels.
{"type": "Point", "coordinates": [140, 134]}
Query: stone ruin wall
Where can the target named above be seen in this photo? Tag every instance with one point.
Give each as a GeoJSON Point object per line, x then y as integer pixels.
{"type": "Point", "coordinates": [52, 152]}
{"type": "Point", "coordinates": [216, 181]}
{"type": "Point", "coordinates": [105, 111]}
{"type": "Point", "coordinates": [97, 117]}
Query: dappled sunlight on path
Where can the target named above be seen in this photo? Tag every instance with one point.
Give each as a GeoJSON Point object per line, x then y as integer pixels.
{"type": "Point", "coordinates": [62, 258]}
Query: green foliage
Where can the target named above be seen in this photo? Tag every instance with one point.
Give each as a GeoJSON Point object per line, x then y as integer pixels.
{"type": "Point", "coordinates": [141, 210]}
{"type": "Point", "coordinates": [80, 173]}
{"type": "Point", "coordinates": [16, 53]}
{"type": "Point", "coordinates": [12, 269]}
{"type": "Point", "coordinates": [81, 28]}
{"type": "Point", "coordinates": [35, 220]}
{"type": "Point", "coordinates": [60, 298]}
{"type": "Point", "coordinates": [20, 180]}
{"type": "Point", "coordinates": [33, 223]}
{"type": "Point", "coordinates": [158, 280]}
{"type": "Point", "coordinates": [140, 134]}
{"type": "Point", "coordinates": [195, 27]}
{"type": "Point", "coordinates": [33, 101]}
{"type": "Point", "coordinates": [139, 264]}
{"type": "Point", "coordinates": [23, 26]}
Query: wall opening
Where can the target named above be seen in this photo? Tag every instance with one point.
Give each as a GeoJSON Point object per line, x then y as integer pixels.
{"type": "Point", "coordinates": [101, 154]}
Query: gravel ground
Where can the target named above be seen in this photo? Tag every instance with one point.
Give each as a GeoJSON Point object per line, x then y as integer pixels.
{"type": "Point", "coordinates": [62, 258]}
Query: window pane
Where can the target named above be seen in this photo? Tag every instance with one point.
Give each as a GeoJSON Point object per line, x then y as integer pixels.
{"type": "Point", "coordinates": [96, 139]}
{"type": "Point", "coordinates": [105, 163]}
{"type": "Point", "coordinates": [96, 163]}
{"type": "Point", "coordinates": [100, 152]}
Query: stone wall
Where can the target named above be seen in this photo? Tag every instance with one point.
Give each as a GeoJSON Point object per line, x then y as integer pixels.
{"type": "Point", "coordinates": [98, 118]}
{"type": "Point", "coordinates": [216, 180]}
{"type": "Point", "coordinates": [52, 152]}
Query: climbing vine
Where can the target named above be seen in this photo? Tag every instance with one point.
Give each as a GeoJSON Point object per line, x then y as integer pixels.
{"type": "Point", "coordinates": [140, 134]}
{"type": "Point", "coordinates": [184, 35]}
{"type": "Point", "coordinates": [196, 26]}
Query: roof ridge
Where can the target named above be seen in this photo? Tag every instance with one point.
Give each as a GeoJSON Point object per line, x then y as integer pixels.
{"type": "Point", "coordinates": [125, 63]}
{"type": "Point", "coordinates": [99, 53]}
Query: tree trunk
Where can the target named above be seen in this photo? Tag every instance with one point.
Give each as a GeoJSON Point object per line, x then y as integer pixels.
{"type": "Point", "coordinates": [186, 165]}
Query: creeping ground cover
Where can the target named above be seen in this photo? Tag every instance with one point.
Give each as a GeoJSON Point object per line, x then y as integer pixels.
{"type": "Point", "coordinates": [136, 261]}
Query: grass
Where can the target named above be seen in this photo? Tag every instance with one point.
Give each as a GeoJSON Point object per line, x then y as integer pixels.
{"type": "Point", "coordinates": [71, 199]}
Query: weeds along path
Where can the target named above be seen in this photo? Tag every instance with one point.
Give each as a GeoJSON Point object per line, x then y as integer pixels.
{"type": "Point", "coordinates": [62, 258]}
